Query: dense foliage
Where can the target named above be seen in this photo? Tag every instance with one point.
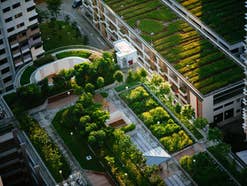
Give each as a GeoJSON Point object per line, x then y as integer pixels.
{"type": "Point", "coordinates": [170, 134]}
{"type": "Point", "coordinates": [48, 151]}
{"type": "Point", "coordinates": [204, 171]}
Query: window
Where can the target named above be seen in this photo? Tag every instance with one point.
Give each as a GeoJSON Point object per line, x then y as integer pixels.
{"type": "Point", "coordinates": [27, 0]}
{"type": "Point", "coordinates": [5, 70]}
{"type": "Point", "coordinates": [18, 15]}
{"type": "Point", "coordinates": [7, 79]}
{"type": "Point", "coordinates": [11, 29]}
{"type": "Point", "coordinates": [20, 25]}
{"type": "Point", "coordinates": [228, 104]}
{"type": "Point", "coordinates": [30, 8]}
{"type": "Point", "coordinates": [6, 9]}
{"type": "Point", "coordinates": [218, 108]}
{"type": "Point", "coordinates": [1, 41]}
{"type": "Point", "coordinates": [9, 88]}
{"type": "Point", "coordinates": [218, 118]}
{"type": "Point", "coordinates": [3, 1]}
{"type": "Point", "coordinates": [16, 5]}
{"type": "Point", "coordinates": [229, 113]}
{"type": "Point", "coordinates": [3, 61]}
{"type": "Point", "coordinates": [8, 19]}
{"type": "Point", "coordinates": [33, 18]}
{"type": "Point", "coordinates": [2, 51]}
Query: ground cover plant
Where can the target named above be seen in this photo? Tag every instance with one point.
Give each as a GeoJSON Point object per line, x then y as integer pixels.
{"type": "Point", "coordinates": [59, 33]}
{"type": "Point", "coordinates": [169, 133]}
{"type": "Point", "coordinates": [225, 17]}
{"type": "Point", "coordinates": [121, 158]}
{"type": "Point", "coordinates": [193, 56]}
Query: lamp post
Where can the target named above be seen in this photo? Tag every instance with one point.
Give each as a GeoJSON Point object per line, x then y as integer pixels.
{"type": "Point", "coordinates": [71, 133]}
{"type": "Point", "coordinates": [61, 173]}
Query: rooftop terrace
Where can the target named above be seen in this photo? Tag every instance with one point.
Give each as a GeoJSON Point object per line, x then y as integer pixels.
{"type": "Point", "coordinates": [224, 17]}
{"type": "Point", "coordinates": [202, 64]}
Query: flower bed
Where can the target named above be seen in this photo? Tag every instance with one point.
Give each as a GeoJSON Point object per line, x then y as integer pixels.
{"type": "Point", "coordinates": [170, 134]}
{"type": "Point", "coordinates": [192, 55]}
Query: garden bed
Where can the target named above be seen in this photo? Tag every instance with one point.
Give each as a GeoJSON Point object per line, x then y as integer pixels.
{"type": "Point", "coordinates": [160, 123]}
{"type": "Point", "coordinates": [48, 151]}
{"type": "Point", "coordinates": [193, 56]}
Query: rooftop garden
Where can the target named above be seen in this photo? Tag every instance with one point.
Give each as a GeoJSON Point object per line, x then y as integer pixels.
{"type": "Point", "coordinates": [193, 56]}
{"type": "Point", "coordinates": [228, 22]}
{"type": "Point", "coordinates": [86, 120]}
{"type": "Point", "coordinates": [161, 124]}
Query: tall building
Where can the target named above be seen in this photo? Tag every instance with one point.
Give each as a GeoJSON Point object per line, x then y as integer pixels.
{"type": "Point", "coordinates": [20, 39]}
{"type": "Point", "coordinates": [200, 73]}
{"type": "Point", "coordinates": [244, 111]}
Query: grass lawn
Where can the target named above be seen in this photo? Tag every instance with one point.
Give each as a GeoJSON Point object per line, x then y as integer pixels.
{"type": "Point", "coordinates": [78, 146]}
{"type": "Point", "coordinates": [59, 33]}
{"type": "Point", "coordinates": [25, 78]}
{"type": "Point", "coordinates": [150, 26]}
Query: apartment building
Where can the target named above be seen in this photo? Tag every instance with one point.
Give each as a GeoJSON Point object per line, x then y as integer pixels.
{"type": "Point", "coordinates": [20, 39]}
{"type": "Point", "coordinates": [219, 103]}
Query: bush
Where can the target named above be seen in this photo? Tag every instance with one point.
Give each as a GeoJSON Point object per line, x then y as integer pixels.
{"type": "Point", "coordinates": [128, 128]}
{"type": "Point", "coordinates": [43, 60]}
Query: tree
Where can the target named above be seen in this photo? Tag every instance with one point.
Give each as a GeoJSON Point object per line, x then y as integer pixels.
{"type": "Point", "coordinates": [143, 73]}
{"type": "Point", "coordinates": [156, 80]}
{"type": "Point", "coordinates": [188, 111]}
{"type": "Point", "coordinates": [89, 87]}
{"type": "Point", "coordinates": [165, 88]}
{"type": "Point", "coordinates": [118, 76]}
{"type": "Point", "coordinates": [54, 6]}
{"type": "Point", "coordinates": [214, 134]}
{"type": "Point", "coordinates": [178, 108]}
{"type": "Point", "coordinates": [200, 122]}
{"type": "Point", "coordinates": [100, 82]}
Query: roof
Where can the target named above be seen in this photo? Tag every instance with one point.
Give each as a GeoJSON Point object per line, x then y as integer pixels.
{"type": "Point", "coordinates": [123, 47]}
{"type": "Point", "coordinates": [154, 154]}
{"type": "Point", "coordinates": [243, 156]}
{"type": "Point", "coordinates": [198, 60]}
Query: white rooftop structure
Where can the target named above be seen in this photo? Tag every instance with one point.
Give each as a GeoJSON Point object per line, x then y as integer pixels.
{"type": "Point", "coordinates": [125, 52]}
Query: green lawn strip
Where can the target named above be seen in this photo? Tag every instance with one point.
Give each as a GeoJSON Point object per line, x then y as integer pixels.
{"type": "Point", "coordinates": [150, 26]}
{"type": "Point", "coordinates": [78, 53]}
{"type": "Point", "coordinates": [58, 33]}
{"type": "Point", "coordinates": [77, 145]}
{"type": "Point", "coordinates": [25, 77]}
{"type": "Point", "coordinates": [123, 86]}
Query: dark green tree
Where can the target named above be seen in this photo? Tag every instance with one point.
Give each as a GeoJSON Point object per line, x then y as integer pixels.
{"type": "Point", "coordinates": [54, 7]}
{"type": "Point", "coordinates": [118, 76]}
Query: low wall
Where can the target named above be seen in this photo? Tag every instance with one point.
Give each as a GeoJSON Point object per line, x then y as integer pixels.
{"type": "Point", "coordinates": [55, 67]}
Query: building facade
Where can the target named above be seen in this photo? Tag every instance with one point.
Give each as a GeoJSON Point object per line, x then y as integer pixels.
{"type": "Point", "coordinates": [219, 106]}
{"type": "Point", "coordinates": [20, 38]}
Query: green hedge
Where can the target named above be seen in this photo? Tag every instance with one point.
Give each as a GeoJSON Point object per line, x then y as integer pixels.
{"type": "Point", "coordinates": [77, 53]}
{"type": "Point", "coordinates": [43, 60]}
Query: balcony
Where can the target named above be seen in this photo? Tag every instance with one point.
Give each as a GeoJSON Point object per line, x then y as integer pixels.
{"type": "Point", "coordinates": [14, 44]}
{"type": "Point", "coordinates": [27, 58]}
{"type": "Point", "coordinates": [16, 53]}
{"type": "Point", "coordinates": [25, 49]}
